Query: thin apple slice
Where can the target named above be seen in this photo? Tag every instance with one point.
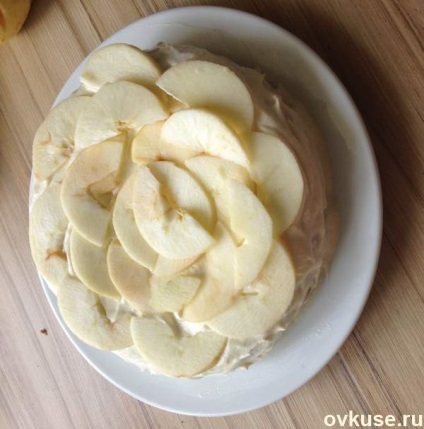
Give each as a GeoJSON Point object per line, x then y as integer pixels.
{"type": "Point", "coordinates": [170, 228]}
{"type": "Point", "coordinates": [213, 173]}
{"type": "Point", "coordinates": [117, 108]}
{"type": "Point", "coordinates": [172, 295]}
{"type": "Point", "coordinates": [54, 140]}
{"type": "Point", "coordinates": [203, 133]}
{"type": "Point", "coordinates": [217, 290]}
{"type": "Point", "coordinates": [90, 265]}
{"type": "Point", "coordinates": [85, 316]}
{"type": "Point", "coordinates": [252, 223]}
{"type": "Point", "coordinates": [279, 178]}
{"type": "Point", "coordinates": [148, 146]}
{"type": "Point", "coordinates": [130, 278]}
{"type": "Point", "coordinates": [126, 228]}
{"type": "Point", "coordinates": [264, 302]}
{"type": "Point", "coordinates": [184, 193]}
{"type": "Point", "coordinates": [216, 87]}
{"type": "Point", "coordinates": [119, 61]}
{"type": "Point", "coordinates": [166, 267]}
{"type": "Point", "coordinates": [170, 354]}
{"type": "Point", "coordinates": [47, 229]}
{"type": "Point", "coordinates": [133, 242]}
{"type": "Point", "coordinates": [88, 187]}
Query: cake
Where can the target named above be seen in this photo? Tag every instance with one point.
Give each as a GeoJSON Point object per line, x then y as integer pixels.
{"type": "Point", "coordinates": [181, 209]}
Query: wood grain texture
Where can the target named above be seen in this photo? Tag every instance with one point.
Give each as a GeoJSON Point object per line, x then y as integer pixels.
{"type": "Point", "coordinates": [376, 47]}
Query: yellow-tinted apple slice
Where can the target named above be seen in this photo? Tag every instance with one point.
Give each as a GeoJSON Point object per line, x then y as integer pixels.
{"type": "Point", "coordinates": [47, 228]}
{"type": "Point", "coordinates": [170, 354]}
{"type": "Point", "coordinates": [85, 316]}
{"type": "Point", "coordinates": [204, 133]}
{"type": "Point", "coordinates": [279, 179]}
{"type": "Point", "coordinates": [88, 189]}
{"type": "Point", "coordinates": [169, 228]}
{"type": "Point", "coordinates": [54, 140]}
{"type": "Point", "coordinates": [264, 302]}
{"type": "Point", "coordinates": [252, 223]}
{"type": "Point", "coordinates": [217, 290]}
{"type": "Point", "coordinates": [119, 107]}
{"type": "Point", "coordinates": [148, 146]}
{"type": "Point", "coordinates": [116, 62]}
{"type": "Point", "coordinates": [171, 295]}
{"type": "Point", "coordinates": [213, 86]}
{"type": "Point", "coordinates": [130, 278]}
{"type": "Point", "coordinates": [90, 265]}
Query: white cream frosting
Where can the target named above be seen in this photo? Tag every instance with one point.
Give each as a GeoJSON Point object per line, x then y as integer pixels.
{"type": "Point", "coordinates": [308, 238]}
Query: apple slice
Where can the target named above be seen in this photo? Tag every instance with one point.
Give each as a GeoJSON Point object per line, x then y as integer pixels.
{"type": "Point", "coordinates": [116, 62]}
{"type": "Point", "coordinates": [90, 265]}
{"type": "Point", "coordinates": [47, 228]}
{"type": "Point", "coordinates": [184, 192]}
{"type": "Point", "coordinates": [54, 140]}
{"type": "Point", "coordinates": [130, 279]}
{"type": "Point", "coordinates": [203, 133]}
{"type": "Point", "coordinates": [148, 146]}
{"type": "Point", "coordinates": [166, 267]}
{"type": "Point", "coordinates": [252, 223]}
{"type": "Point", "coordinates": [279, 178]}
{"type": "Point", "coordinates": [172, 295]}
{"type": "Point", "coordinates": [117, 108]}
{"type": "Point", "coordinates": [173, 225]}
{"type": "Point", "coordinates": [126, 228]}
{"type": "Point", "coordinates": [174, 355]}
{"type": "Point", "coordinates": [88, 187]}
{"type": "Point", "coordinates": [213, 174]}
{"type": "Point", "coordinates": [264, 302]}
{"type": "Point", "coordinates": [216, 87]}
{"type": "Point", "coordinates": [217, 290]}
{"type": "Point", "coordinates": [85, 316]}
{"type": "Point", "coordinates": [133, 242]}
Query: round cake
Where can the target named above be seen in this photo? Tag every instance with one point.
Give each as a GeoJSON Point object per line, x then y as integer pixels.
{"type": "Point", "coordinates": [181, 209]}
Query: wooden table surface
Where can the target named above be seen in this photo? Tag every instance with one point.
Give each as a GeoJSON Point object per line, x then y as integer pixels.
{"type": "Point", "coordinates": [376, 48]}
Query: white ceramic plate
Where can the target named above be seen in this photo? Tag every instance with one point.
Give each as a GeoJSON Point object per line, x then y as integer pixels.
{"type": "Point", "coordinates": [326, 322]}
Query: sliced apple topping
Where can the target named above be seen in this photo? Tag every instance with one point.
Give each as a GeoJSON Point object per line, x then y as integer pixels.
{"type": "Point", "coordinates": [133, 242]}
{"type": "Point", "coordinates": [172, 295]}
{"type": "Point", "coordinates": [162, 211]}
{"type": "Point", "coordinates": [173, 354]}
{"type": "Point", "coordinates": [47, 228]}
{"type": "Point", "coordinates": [84, 314]}
{"type": "Point", "coordinates": [126, 228]}
{"type": "Point", "coordinates": [95, 169]}
{"type": "Point", "coordinates": [279, 179]}
{"type": "Point", "coordinates": [118, 62]}
{"type": "Point", "coordinates": [172, 211]}
{"type": "Point", "coordinates": [54, 140]}
{"type": "Point", "coordinates": [117, 108]}
{"type": "Point", "coordinates": [204, 133]}
{"type": "Point", "coordinates": [264, 302]}
{"type": "Point", "coordinates": [213, 174]}
{"type": "Point", "coordinates": [217, 290]}
{"type": "Point", "coordinates": [148, 146]}
{"type": "Point", "coordinates": [250, 221]}
{"type": "Point", "coordinates": [130, 278]}
{"type": "Point", "coordinates": [213, 86]}
{"type": "Point", "coordinates": [90, 265]}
